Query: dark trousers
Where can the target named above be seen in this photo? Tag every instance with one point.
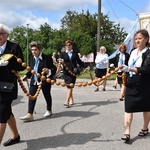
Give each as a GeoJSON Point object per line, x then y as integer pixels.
{"type": "Point", "coordinates": [46, 89]}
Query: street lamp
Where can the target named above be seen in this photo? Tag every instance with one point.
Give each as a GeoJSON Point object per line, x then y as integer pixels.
{"type": "Point", "coordinates": [27, 46]}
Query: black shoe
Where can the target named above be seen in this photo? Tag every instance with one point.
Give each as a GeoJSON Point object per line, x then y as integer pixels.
{"type": "Point", "coordinates": [121, 99]}
{"type": "Point", "coordinates": [11, 141]}
{"type": "Point", "coordinates": [103, 89]}
{"type": "Point", "coordinates": [126, 138]}
{"type": "Point", "coordinates": [96, 90]}
{"type": "Point", "coordinates": [115, 86]}
{"type": "Point", "coordinates": [143, 132]}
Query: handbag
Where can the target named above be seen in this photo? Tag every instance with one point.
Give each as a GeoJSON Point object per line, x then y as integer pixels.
{"type": "Point", "coordinates": [6, 87]}
{"type": "Point", "coordinates": [77, 70]}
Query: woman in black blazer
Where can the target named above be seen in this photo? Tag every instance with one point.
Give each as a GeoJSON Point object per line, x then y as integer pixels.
{"type": "Point", "coordinates": [137, 95]}
{"type": "Point", "coordinates": [121, 58]}
{"type": "Point", "coordinates": [6, 115]}
{"type": "Point", "coordinates": [71, 59]}
{"type": "Point", "coordinates": [43, 62]}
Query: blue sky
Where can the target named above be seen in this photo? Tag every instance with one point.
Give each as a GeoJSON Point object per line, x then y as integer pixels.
{"type": "Point", "coordinates": [36, 12]}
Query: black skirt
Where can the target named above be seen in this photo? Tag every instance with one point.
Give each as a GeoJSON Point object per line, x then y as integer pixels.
{"type": "Point", "coordinates": [5, 107]}
{"type": "Point", "coordinates": [99, 73]}
{"type": "Point", "coordinates": [68, 78]}
{"type": "Point", "coordinates": [119, 77]}
{"type": "Point", "coordinates": [137, 95]}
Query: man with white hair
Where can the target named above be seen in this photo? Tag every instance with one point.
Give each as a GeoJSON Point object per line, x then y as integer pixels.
{"type": "Point", "coordinates": [7, 77]}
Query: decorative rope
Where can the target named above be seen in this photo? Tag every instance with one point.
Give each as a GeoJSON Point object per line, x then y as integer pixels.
{"type": "Point", "coordinates": [48, 80]}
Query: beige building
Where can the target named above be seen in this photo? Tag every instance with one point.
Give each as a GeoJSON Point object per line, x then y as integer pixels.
{"type": "Point", "coordinates": [145, 21]}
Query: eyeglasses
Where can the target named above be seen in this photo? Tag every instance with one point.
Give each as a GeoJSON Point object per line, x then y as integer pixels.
{"type": "Point", "coordinates": [2, 33]}
{"type": "Point", "coordinates": [68, 45]}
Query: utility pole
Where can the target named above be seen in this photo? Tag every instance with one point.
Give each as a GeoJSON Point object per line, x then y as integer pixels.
{"type": "Point", "coordinates": [98, 25]}
{"type": "Point", "coordinates": [27, 46]}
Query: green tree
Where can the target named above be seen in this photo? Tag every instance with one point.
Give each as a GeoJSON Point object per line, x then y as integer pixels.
{"type": "Point", "coordinates": [84, 24]}
{"type": "Point", "coordinates": [81, 28]}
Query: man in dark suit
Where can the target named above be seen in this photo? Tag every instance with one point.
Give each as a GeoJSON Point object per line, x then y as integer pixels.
{"type": "Point", "coordinates": [39, 62]}
{"type": "Point", "coordinates": [6, 75]}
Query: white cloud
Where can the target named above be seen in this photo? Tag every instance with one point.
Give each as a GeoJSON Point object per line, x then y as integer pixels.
{"type": "Point", "coordinates": [47, 5]}
{"type": "Point", "coordinates": [19, 13]}
{"type": "Point", "coordinates": [126, 23]}
{"type": "Point", "coordinates": [37, 12]}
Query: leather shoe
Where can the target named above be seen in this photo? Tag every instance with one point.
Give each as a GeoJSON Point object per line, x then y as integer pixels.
{"type": "Point", "coordinates": [11, 141]}
{"type": "Point", "coordinates": [27, 118]}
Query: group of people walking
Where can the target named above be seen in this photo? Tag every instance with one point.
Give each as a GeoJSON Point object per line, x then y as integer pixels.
{"type": "Point", "coordinates": [135, 92]}
{"type": "Point", "coordinates": [133, 77]}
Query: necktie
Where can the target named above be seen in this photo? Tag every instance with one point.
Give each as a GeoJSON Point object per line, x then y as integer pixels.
{"type": "Point", "coordinates": [70, 54]}
{"type": "Point", "coordinates": [121, 59]}
{"type": "Point", "coordinates": [132, 65]}
{"type": "Point", "coordinates": [36, 68]}
{"type": "Point", "coordinates": [1, 51]}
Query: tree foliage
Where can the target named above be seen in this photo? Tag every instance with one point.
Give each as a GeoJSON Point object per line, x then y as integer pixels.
{"type": "Point", "coordinates": [81, 28]}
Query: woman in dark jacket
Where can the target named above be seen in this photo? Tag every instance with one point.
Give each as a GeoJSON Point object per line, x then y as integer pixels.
{"type": "Point", "coordinates": [6, 75]}
{"type": "Point", "coordinates": [71, 59]}
{"type": "Point", "coordinates": [121, 58]}
{"type": "Point", "coordinates": [38, 62]}
{"type": "Point", "coordinates": [138, 84]}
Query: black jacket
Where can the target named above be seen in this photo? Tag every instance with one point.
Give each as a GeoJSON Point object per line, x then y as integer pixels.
{"type": "Point", "coordinates": [5, 71]}
{"type": "Point", "coordinates": [145, 67]}
{"type": "Point", "coordinates": [71, 63]}
{"type": "Point", "coordinates": [46, 62]}
{"type": "Point", "coordinates": [116, 59]}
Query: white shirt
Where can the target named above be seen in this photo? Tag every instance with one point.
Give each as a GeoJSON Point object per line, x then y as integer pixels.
{"type": "Point", "coordinates": [101, 60]}
{"type": "Point", "coordinates": [135, 59]}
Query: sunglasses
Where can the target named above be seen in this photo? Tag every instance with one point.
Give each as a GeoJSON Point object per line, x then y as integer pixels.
{"type": "Point", "coordinates": [33, 49]}
{"type": "Point", "coordinates": [68, 45]}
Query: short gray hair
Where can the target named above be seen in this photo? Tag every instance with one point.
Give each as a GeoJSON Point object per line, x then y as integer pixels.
{"type": "Point", "coordinates": [36, 44]}
{"type": "Point", "coordinates": [4, 28]}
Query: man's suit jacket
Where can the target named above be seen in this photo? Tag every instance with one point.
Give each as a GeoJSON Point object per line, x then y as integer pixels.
{"type": "Point", "coordinates": [71, 63]}
{"type": "Point", "coordinates": [46, 62]}
{"type": "Point", "coordinates": [5, 71]}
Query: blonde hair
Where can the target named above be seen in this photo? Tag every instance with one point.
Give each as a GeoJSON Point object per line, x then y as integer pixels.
{"type": "Point", "coordinates": [104, 48]}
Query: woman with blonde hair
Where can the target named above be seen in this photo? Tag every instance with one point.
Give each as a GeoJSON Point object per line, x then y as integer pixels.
{"type": "Point", "coordinates": [101, 62]}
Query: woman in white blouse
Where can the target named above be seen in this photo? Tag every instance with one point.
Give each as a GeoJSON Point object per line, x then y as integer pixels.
{"type": "Point", "coordinates": [137, 95]}
{"type": "Point", "coordinates": [101, 62]}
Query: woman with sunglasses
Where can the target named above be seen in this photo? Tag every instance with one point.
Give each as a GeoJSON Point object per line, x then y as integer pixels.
{"type": "Point", "coordinates": [71, 59]}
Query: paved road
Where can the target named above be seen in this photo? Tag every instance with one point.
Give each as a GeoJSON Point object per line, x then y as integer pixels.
{"type": "Point", "coordinates": [95, 122]}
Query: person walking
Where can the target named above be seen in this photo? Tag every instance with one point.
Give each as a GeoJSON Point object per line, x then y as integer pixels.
{"type": "Point", "coordinates": [138, 84]}
{"type": "Point", "coordinates": [121, 58]}
{"type": "Point", "coordinates": [6, 76]}
{"type": "Point", "coordinates": [39, 62]}
{"type": "Point", "coordinates": [101, 62]}
{"type": "Point", "coordinates": [71, 59]}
